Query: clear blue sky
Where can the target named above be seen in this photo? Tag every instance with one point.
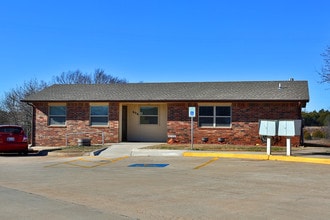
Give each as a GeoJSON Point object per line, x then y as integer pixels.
{"type": "Point", "coordinates": [166, 41]}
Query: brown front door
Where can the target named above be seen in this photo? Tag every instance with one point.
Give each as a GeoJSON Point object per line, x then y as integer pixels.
{"type": "Point", "coordinates": [124, 124]}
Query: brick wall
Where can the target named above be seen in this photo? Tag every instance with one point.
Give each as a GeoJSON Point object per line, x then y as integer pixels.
{"type": "Point", "coordinates": [244, 129]}
{"type": "Point", "coordinates": [245, 123]}
{"type": "Point", "coordinates": [77, 126]}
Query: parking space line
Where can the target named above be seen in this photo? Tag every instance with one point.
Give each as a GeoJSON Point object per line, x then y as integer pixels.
{"type": "Point", "coordinates": [208, 162]}
{"type": "Point", "coordinates": [56, 164]}
{"type": "Point", "coordinates": [94, 163]}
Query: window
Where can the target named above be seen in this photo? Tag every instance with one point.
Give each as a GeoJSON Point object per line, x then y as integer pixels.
{"type": "Point", "coordinates": [11, 129]}
{"type": "Point", "coordinates": [214, 116]}
{"type": "Point", "coordinates": [57, 115]}
{"type": "Point", "coordinates": [99, 115]}
{"type": "Point", "coordinates": [149, 115]}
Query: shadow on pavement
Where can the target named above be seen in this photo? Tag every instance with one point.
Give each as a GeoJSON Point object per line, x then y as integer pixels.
{"type": "Point", "coordinates": [31, 153]}
{"type": "Point", "coordinates": [318, 143]}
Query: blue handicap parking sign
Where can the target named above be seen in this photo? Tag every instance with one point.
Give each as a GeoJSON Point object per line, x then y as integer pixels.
{"type": "Point", "coordinates": [192, 111]}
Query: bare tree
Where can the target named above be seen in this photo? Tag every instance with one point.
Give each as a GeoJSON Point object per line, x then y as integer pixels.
{"type": "Point", "coordinates": [100, 77]}
{"type": "Point", "coordinates": [325, 70]}
{"type": "Point", "coordinates": [3, 116]}
{"type": "Point", "coordinates": [77, 77]}
{"type": "Point", "coordinates": [13, 111]}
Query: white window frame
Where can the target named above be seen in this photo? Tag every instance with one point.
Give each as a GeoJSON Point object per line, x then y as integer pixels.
{"type": "Point", "coordinates": [214, 116]}
{"type": "Point", "coordinates": [50, 116]}
{"type": "Point", "coordinates": [98, 116]}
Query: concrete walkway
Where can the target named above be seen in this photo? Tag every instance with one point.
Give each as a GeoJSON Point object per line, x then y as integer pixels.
{"type": "Point", "coordinates": [134, 149]}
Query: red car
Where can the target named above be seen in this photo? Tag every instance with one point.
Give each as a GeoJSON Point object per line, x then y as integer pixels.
{"type": "Point", "coordinates": [13, 139]}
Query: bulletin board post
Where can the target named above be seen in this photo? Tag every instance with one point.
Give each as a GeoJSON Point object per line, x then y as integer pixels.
{"type": "Point", "coordinates": [192, 114]}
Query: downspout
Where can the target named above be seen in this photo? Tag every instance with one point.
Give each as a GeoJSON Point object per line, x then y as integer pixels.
{"type": "Point", "coordinates": [302, 140]}
{"type": "Point", "coordinates": [32, 124]}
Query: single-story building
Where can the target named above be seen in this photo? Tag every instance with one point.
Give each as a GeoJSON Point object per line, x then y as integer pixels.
{"type": "Point", "coordinates": [226, 112]}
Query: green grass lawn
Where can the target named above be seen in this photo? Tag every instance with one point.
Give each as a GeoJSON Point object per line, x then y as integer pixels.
{"type": "Point", "coordinates": [82, 149]}
{"type": "Point", "coordinates": [197, 147]}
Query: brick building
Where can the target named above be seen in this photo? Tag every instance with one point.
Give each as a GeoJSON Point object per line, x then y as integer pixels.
{"type": "Point", "coordinates": [226, 112]}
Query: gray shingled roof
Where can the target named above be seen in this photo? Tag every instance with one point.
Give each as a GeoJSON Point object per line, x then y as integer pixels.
{"type": "Point", "coordinates": [181, 91]}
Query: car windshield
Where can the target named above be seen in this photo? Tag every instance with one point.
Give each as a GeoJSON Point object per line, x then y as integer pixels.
{"type": "Point", "coordinates": [15, 130]}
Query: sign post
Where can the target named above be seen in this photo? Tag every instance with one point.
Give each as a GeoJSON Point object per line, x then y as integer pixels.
{"type": "Point", "coordinates": [192, 114]}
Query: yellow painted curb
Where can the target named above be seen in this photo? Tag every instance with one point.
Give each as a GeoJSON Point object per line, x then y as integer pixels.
{"type": "Point", "coordinates": [225, 155]}
{"type": "Point", "coordinates": [258, 157]}
{"type": "Point", "coordinates": [300, 159]}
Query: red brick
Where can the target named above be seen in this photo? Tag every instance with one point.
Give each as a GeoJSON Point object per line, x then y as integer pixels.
{"type": "Point", "coordinates": [243, 131]}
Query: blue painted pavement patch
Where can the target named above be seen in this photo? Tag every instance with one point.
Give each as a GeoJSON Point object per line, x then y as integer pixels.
{"type": "Point", "coordinates": [148, 165]}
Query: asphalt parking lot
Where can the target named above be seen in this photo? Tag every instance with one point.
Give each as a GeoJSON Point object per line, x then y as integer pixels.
{"type": "Point", "coordinates": [39, 187]}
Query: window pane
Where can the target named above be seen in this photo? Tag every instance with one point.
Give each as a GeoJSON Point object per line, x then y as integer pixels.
{"type": "Point", "coordinates": [149, 115]}
{"type": "Point", "coordinates": [99, 121]}
{"type": "Point", "coordinates": [11, 130]}
{"type": "Point", "coordinates": [206, 110]}
{"type": "Point", "coordinates": [223, 111]}
{"type": "Point", "coordinates": [223, 121]}
{"type": "Point", "coordinates": [149, 120]}
{"type": "Point", "coordinates": [57, 115]}
{"type": "Point", "coordinates": [205, 121]}
{"type": "Point", "coordinates": [57, 120]}
{"type": "Point", "coordinates": [149, 110]}
{"type": "Point", "coordinates": [99, 115]}
{"type": "Point", "coordinates": [99, 110]}
{"type": "Point", "coordinates": [57, 110]}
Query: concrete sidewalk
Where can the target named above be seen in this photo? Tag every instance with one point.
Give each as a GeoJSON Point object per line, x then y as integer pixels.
{"type": "Point", "coordinates": [134, 149]}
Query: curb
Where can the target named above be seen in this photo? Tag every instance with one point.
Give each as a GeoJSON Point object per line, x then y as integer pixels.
{"type": "Point", "coordinates": [300, 159]}
{"type": "Point", "coordinates": [67, 154]}
{"type": "Point", "coordinates": [259, 157]}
